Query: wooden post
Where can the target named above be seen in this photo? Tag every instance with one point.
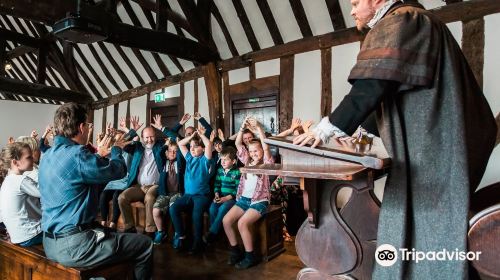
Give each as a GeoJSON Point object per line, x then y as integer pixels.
{"type": "Point", "coordinates": [286, 92]}
{"type": "Point", "coordinates": [214, 94]}
{"type": "Point", "coordinates": [115, 115]}
{"type": "Point", "coordinates": [104, 115]}
{"type": "Point", "coordinates": [227, 104]}
{"type": "Point", "coordinates": [326, 82]}
{"type": "Point", "coordinates": [473, 46]}
{"type": "Point", "coordinates": [196, 100]}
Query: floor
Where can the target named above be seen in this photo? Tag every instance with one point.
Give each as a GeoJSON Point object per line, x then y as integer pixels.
{"type": "Point", "coordinates": [170, 264]}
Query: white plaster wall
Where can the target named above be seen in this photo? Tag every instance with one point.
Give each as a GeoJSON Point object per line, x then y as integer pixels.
{"type": "Point", "coordinates": [307, 86]}
{"type": "Point", "coordinates": [97, 123]}
{"type": "Point", "coordinates": [203, 100]}
{"type": "Point", "coordinates": [138, 108]}
{"type": "Point", "coordinates": [239, 75]}
{"type": "Point", "coordinates": [491, 87]}
{"type": "Point", "coordinates": [267, 68]}
{"type": "Point", "coordinates": [20, 118]}
{"type": "Point", "coordinates": [189, 100]}
{"type": "Point", "coordinates": [343, 59]}
{"type": "Point", "coordinates": [110, 115]}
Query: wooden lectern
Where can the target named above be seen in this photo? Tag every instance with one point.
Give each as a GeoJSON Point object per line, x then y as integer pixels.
{"type": "Point", "coordinates": [333, 243]}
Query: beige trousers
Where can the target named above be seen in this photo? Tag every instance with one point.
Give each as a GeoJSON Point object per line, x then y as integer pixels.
{"type": "Point", "coordinates": [147, 195]}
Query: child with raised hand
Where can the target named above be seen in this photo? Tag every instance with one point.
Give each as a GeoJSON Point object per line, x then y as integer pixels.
{"type": "Point", "coordinates": [196, 188]}
{"type": "Point", "coordinates": [225, 187]}
{"type": "Point", "coordinates": [20, 196]}
{"type": "Point", "coordinates": [252, 196]}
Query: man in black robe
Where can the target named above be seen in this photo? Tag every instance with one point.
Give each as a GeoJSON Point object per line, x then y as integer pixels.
{"type": "Point", "coordinates": [434, 122]}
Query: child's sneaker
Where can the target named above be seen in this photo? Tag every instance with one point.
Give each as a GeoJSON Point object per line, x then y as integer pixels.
{"type": "Point", "coordinates": [235, 256]}
{"type": "Point", "coordinates": [209, 238]}
{"type": "Point", "coordinates": [177, 242]}
{"type": "Point", "coordinates": [159, 237]}
{"type": "Point", "coordinates": [249, 261]}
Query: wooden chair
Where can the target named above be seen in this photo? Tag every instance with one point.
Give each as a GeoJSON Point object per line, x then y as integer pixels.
{"type": "Point", "coordinates": [484, 230]}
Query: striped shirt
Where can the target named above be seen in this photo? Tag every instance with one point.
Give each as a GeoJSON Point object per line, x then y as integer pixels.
{"type": "Point", "coordinates": [226, 183]}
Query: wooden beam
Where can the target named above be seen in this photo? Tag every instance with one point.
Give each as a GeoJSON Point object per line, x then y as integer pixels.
{"type": "Point", "coordinates": [172, 16]}
{"type": "Point", "coordinates": [41, 68]}
{"type": "Point", "coordinates": [104, 67]}
{"type": "Point", "coordinates": [270, 22]}
{"type": "Point", "coordinates": [181, 100]}
{"type": "Point", "coordinates": [300, 16]}
{"type": "Point", "coordinates": [120, 33]}
{"type": "Point", "coordinates": [20, 51]}
{"type": "Point", "coordinates": [96, 77]}
{"type": "Point", "coordinates": [129, 63]}
{"type": "Point", "coordinates": [115, 115]}
{"type": "Point", "coordinates": [473, 46]}
{"type": "Point", "coordinates": [335, 12]}
{"type": "Point", "coordinates": [161, 15]}
{"type": "Point", "coordinates": [199, 21]}
{"type": "Point", "coordinates": [104, 121]}
{"type": "Point", "coordinates": [326, 82]}
{"type": "Point", "coordinates": [19, 38]}
{"type": "Point", "coordinates": [462, 11]}
{"type": "Point", "coordinates": [225, 31]}
{"type": "Point", "coordinates": [247, 27]}
{"type": "Point", "coordinates": [286, 93]}
{"type": "Point", "coordinates": [148, 88]}
{"type": "Point", "coordinates": [70, 65]}
{"type": "Point", "coordinates": [214, 94]}
{"type": "Point", "coordinates": [115, 65]}
{"type": "Point", "coordinates": [89, 82]}
{"type": "Point", "coordinates": [251, 71]}
{"type": "Point", "coordinates": [41, 91]}
{"type": "Point", "coordinates": [227, 104]}
{"type": "Point", "coordinates": [196, 100]}
{"type": "Point", "coordinates": [3, 56]}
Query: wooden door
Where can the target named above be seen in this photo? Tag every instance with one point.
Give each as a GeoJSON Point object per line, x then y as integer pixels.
{"type": "Point", "coordinates": [262, 108]}
{"type": "Point", "coordinates": [169, 111]}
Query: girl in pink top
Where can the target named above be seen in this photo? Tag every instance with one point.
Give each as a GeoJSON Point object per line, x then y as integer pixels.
{"type": "Point", "coordinates": [252, 196]}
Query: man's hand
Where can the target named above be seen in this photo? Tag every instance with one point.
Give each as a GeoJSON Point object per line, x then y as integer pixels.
{"type": "Point", "coordinates": [197, 116]}
{"type": "Point", "coordinates": [185, 118]}
{"type": "Point", "coordinates": [157, 122]}
{"type": "Point", "coordinates": [10, 140]}
{"type": "Point", "coordinates": [307, 137]}
{"type": "Point", "coordinates": [135, 124]}
{"type": "Point", "coordinates": [48, 130]}
{"type": "Point", "coordinates": [121, 142]}
{"type": "Point", "coordinates": [217, 198]}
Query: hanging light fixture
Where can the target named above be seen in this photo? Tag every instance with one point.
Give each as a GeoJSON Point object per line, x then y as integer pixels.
{"type": "Point", "coordinates": [7, 65]}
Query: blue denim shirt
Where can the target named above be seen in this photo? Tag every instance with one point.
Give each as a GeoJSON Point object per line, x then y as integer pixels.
{"type": "Point", "coordinates": [68, 178]}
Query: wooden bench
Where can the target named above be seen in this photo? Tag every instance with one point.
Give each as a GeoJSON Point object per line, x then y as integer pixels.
{"type": "Point", "coordinates": [269, 237]}
{"type": "Point", "coordinates": [18, 262]}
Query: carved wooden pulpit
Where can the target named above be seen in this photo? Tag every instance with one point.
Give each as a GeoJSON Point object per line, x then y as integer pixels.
{"type": "Point", "coordinates": [333, 242]}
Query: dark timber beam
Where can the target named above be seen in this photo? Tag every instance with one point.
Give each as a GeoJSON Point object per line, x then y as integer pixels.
{"type": "Point", "coordinates": [41, 91]}
{"type": "Point", "coordinates": [270, 22]}
{"type": "Point", "coordinates": [336, 16]}
{"type": "Point", "coordinates": [300, 16]}
{"type": "Point", "coordinates": [198, 16]}
{"type": "Point", "coordinates": [462, 11]}
{"type": "Point", "coordinates": [41, 66]}
{"type": "Point", "coordinates": [20, 51]}
{"type": "Point", "coordinates": [225, 31]}
{"type": "Point", "coordinates": [247, 27]}
{"type": "Point", "coordinates": [120, 33]}
{"type": "Point", "coordinates": [165, 10]}
{"type": "Point", "coordinates": [19, 38]}
{"type": "Point", "coordinates": [148, 88]}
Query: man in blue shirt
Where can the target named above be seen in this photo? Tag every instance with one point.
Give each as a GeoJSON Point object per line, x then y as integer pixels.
{"type": "Point", "coordinates": [69, 174]}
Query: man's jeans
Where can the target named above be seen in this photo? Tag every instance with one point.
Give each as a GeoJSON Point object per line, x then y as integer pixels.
{"type": "Point", "coordinates": [83, 249]}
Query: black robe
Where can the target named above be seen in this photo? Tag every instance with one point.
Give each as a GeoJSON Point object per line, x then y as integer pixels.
{"type": "Point", "coordinates": [439, 131]}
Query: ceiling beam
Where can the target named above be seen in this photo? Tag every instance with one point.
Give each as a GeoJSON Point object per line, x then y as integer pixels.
{"type": "Point", "coordinates": [270, 22]}
{"type": "Point", "coordinates": [20, 51]}
{"type": "Point", "coordinates": [462, 11]}
{"type": "Point", "coordinates": [300, 16]}
{"type": "Point", "coordinates": [335, 12]}
{"type": "Point", "coordinates": [19, 38]}
{"type": "Point", "coordinates": [198, 17]}
{"type": "Point", "coordinates": [247, 27]}
{"type": "Point", "coordinates": [225, 31]}
{"type": "Point", "coordinates": [41, 91]}
{"type": "Point", "coordinates": [172, 16]}
{"type": "Point", "coordinates": [119, 33]}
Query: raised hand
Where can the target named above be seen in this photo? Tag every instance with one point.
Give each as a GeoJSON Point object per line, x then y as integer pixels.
{"type": "Point", "coordinates": [122, 124]}
{"type": "Point", "coordinates": [157, 122]}
{"type": "Point", "coordinates": [201, 130]}
{"type": "Point", "coordinates": [220, 133]}
{"type": "Point", "coordinates": [11, 140]}
{"type": "Point", "coordinates": [296, 122]}
{"type": "Point", "coordinates": [120, 141]}
{"type": "Point", "coordinates": [34, 134]}
{"type": "Point", "coordinates": [212, 136]}
{"type": "Point", "coordinates": [197, 116]}
{"type": "Point", "coordinates": [306, 125]}
{"type": "Point", "coordinates": [185, 118]}
{"type": "Point", "coordinates": [48, 130]}
{"type": "Point", "coordinates": [307, 137]}
{"type": "Point", "coordinates": [91, 126]}
{"type": "Point", "coordinates": [135, 124]}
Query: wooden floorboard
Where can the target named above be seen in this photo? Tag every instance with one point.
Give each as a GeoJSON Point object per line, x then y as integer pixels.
{"type": "Point", "coordinates": [170, 264]}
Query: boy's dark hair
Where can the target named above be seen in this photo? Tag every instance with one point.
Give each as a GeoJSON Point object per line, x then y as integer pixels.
{"type": "Point", "coordinates": [228, 152]}
{"type": "Point", "coordinates": [68, 118]}
{"type": "Point", "coordinates": [197, 140]}
{"type": "Point", "coordinates": [217, 140]}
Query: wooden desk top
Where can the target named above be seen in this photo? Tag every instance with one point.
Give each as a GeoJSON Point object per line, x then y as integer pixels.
{"type": "Point", "coordinates": [341, 172]}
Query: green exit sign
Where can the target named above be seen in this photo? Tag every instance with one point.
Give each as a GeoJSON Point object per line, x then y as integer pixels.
{"type": "Point", "coordinates": [159, 97]}
{"type": "Point", "coordinates": [253, 100]}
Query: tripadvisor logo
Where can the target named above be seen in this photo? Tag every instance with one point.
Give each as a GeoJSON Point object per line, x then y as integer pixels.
{"type": "Point", "coordinates": [386, 255]}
